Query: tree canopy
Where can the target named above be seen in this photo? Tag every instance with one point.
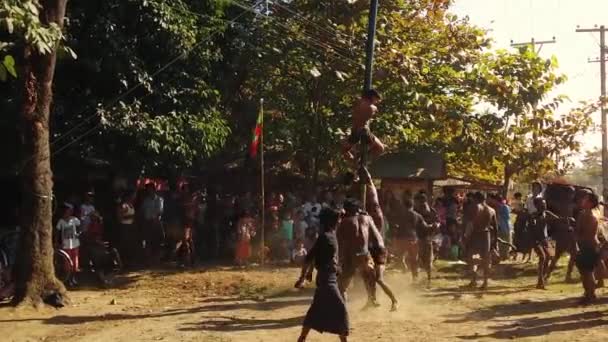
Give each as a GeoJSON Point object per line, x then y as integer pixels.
{"type": "Point", "coordinates": [161, 85]}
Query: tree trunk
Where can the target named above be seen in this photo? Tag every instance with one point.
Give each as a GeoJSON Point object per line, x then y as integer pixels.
{"type": "Point", "coordinates": [507, 181]}
{"type": "Point", "coordinates": [35, 271]}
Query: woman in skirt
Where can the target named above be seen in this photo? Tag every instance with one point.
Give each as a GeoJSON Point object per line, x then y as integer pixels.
{"type": "Point", "coordinates": [328, 310]}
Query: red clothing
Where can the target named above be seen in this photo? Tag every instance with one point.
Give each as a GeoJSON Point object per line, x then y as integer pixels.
{"type": "Point", "coordinates": [74, 254]}
{"type": "Point", "coordinates": [95, 231]}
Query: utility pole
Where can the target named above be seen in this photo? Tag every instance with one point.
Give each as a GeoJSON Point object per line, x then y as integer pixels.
{"type": "Point", "coordinates": [367, 85]}
{"type": "Point", "coordinates": [371, 43]}
{"type": "Point", "coordinates": [532, 43]}
{"type": "Point", "coordinates": [602, 61]}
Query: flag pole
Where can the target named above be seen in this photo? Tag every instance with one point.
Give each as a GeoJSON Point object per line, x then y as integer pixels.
{"type": "Point", "coordinates": [262, 189]}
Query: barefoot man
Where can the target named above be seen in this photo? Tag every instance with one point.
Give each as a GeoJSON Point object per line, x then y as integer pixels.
{"type": "Point", "coordinates": [588, 244]}
{"type": "Point", "coordinates": [537, 223]}
{"type": "Point", "coordinates": [479, 238]}
{"type": "Point", "coordinates": [363, 112]}
{"type": "Point", "coordinates": [377, 249]}
{"type": "Point", "coordinates": [407, 229]}
{"type": "Point", "coordinates": [425, 234]}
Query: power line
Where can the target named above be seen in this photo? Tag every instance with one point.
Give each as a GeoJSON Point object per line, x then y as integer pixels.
{"type": "Point", "coordinates": [312, 39]}
{"type": "Point", "coordinates": [88, 132]}
{"type": "Point", "coordinates": [126, 93]}
{"type": "Point", "coordinates": [327, 46]}
{"type": "Point", "coordinates": [325, 28]}
{"type": "Point", "coordinates": [532, 43]}
{"type": "Point", "coordinates": [602, 60]}
{"type": "Point", "coordinates": [138, 85]}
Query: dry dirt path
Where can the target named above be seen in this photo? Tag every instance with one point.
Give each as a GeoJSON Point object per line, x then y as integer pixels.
{"type": "Point", "coordinates": [210, 306]}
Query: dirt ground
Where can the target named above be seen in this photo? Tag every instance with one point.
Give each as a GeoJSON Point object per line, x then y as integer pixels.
{"type": "Point", "coordinates": [227, 304]}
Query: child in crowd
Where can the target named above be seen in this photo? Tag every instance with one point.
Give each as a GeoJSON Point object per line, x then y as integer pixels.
{"type": "Point", "coordinates": [68, 228]}
{"type": "Point", "coordinates": [299, 253]}
{"type": "Point", "coordinates": [245, 231]}
{"type": "Point", "coordinates": [299, 226]}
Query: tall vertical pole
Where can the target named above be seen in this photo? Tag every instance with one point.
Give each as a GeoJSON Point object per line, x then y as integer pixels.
{"type": "Point", "coordinates": [367, 85]}
{"type": "Point", "coordinates": [602, 61]}
{"type": "Point", "coordinates": [262, 188]}
{"type": "Point", "coordinates": [603, 108]}
{"type": "Point", "coordinates": [371, 43]}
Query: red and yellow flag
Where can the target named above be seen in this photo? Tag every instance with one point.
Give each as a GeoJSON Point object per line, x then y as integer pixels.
{"type": "Point", "coordinates": [257, 134]}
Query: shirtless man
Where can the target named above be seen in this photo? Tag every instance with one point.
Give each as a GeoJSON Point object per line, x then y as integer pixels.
{"type": "Point", "coordinates": [363, 111]}
{"type": "Point", "coordinates": [353, 236]}
{"type": "Point", "coordinates": [407, 229]}
{"type": "Point", "coordinates": [562, 232]}
{"type": "Point", "coordinates": [358, 237]}
{"type": "Point", "coordinates": [479, 239]}
{"type": "Point", "coordinates": [379, 255]}
{"type": "Point", "coordinates": [425, 236]}
{"type": "Point", "coordinates": [538, 230]}
{"type": "Point", "coordinates": [588, 244]}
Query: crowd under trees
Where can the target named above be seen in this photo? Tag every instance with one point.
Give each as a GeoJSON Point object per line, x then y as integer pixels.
{"type": "Point", "coordinates": [158, 86]}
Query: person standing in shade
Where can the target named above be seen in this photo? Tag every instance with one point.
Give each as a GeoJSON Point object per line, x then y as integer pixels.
{"type": "Point", "coordinates": [152, 210]}
{"type": "Point", "coordinates": [327, 313]}
{"type": "Point", "coordinates": [68, 228]}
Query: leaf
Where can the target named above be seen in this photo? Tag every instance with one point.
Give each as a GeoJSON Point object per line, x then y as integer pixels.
{"type": "Point", "coordinates": [71, 52]}
{"type": "Point", "coordinates": [9, 25]}
{"type": "Point", "coordinates": [32, 7]}
{"type": "Point", "coordinates": [2, 73]}
{"type": "Point", "coordinates": [315, 72]}
{"type": "Point", "coordinates": [9, 64]}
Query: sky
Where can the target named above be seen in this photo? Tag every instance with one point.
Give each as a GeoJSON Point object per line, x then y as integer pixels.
{"type": "Point", "coordinates": [522, 20]}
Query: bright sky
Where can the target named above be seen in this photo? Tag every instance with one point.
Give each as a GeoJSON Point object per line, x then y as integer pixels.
{"type": "Point", "coordinates": [522, 20]}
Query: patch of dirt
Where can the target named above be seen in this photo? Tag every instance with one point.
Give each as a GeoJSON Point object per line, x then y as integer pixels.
{"type": "Point", "coordinates": [227, 304]}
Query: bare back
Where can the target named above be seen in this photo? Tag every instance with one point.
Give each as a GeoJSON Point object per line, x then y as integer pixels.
{"type": "Point", "coordinates": [587, 226]}
{"type": "Point", "coordinates": [363, 112]}
{"type": "Point", "coordinates": [484, 218]}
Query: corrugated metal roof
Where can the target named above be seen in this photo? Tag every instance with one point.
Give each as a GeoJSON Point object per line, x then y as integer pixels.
{"type": "Point", "coordinates": [403, 165]}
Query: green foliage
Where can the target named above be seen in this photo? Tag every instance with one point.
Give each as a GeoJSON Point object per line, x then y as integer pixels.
{"type": "Point", "coordinates": [589, 172]}
{"type": "Point", "coordinates": [168, 84]}
{"type": "Point", "coordinates": [21, 18]}
{"type": "Point", "coordinates": [521, 133]}
{"type": "Point", "coordinates": [146, 65]}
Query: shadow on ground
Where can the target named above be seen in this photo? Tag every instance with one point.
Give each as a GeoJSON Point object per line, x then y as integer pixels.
{"type": "Point", "coordinates": [226, 323]}
{"type": "Point", "coordinates": [216, 323]}
{"type": "Point", "coordinates": [531, 327]}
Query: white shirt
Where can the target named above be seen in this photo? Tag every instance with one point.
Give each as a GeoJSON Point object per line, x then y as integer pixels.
{"type": "Point", "coordinates": [299, 253]}
{"type": "Point", "coordinates": [152, 207]}
{"type": "Point", "coordinates": [85, 215]}
{"type": "Point", "coordinates": [69, 232]}
{"type": "Point", "coordinates": [530, 203]}
{"type": "Point", "coordinates": [300, 230]}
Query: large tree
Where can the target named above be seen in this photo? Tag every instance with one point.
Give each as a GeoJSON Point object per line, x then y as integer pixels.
{"type": "Point", "coordinates": [521, 131]}
{"type": "Point", "coordinates": [37, 30]}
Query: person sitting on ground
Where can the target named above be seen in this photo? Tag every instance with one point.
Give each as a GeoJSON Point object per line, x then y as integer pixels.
{"type": "Point", "coordinates": [363, 112]}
